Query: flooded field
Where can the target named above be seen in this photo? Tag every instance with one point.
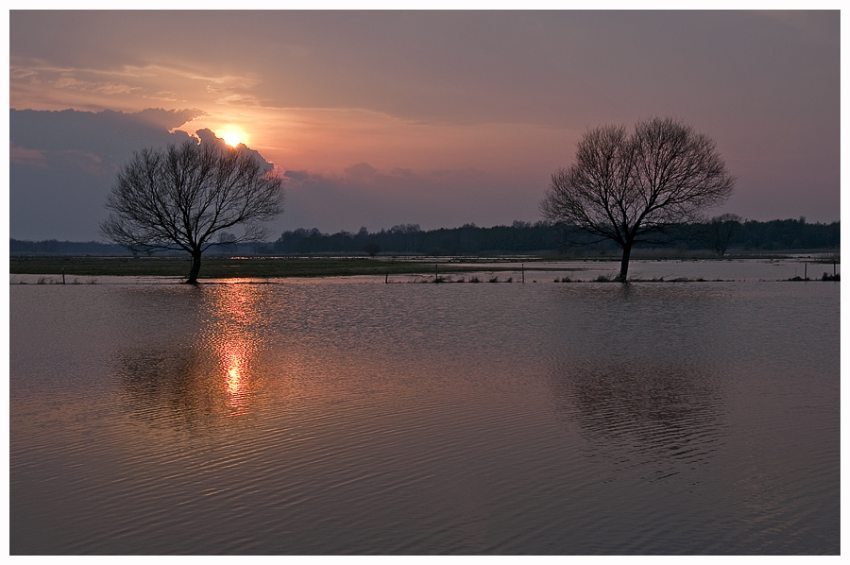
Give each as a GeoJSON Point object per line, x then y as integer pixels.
{"type": "Point", "coordinates": [329, 416]}
{"type": "Point", "coordinates": [480, 269]}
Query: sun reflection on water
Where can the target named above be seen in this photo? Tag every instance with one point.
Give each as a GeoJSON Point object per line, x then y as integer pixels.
{"type": "Point", "coordinates": [236, 340]}
{"type": "Point", "coordinates": [235, 356]}
{"type": "Point", "coordinates": [234, 377]}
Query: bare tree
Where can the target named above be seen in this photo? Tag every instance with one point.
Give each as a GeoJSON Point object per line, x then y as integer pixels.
{"type": "Point", "coordinates": [720, 232]}
{"type": "Point", "coordinates": [623, 187]}
{"type": "Point", "coordinates": [182, 196]}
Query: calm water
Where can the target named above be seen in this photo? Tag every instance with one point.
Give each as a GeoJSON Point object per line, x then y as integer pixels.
{"type": "Point", "coordinates": [317, 417]}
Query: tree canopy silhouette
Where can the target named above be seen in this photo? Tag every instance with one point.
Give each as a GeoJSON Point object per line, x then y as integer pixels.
{"type": "Point", "coordinates": [623, 187]}
{"type": "Point", "coordinates": [183, 196]}
{"type": "Point", "coordinates": [720, 231]}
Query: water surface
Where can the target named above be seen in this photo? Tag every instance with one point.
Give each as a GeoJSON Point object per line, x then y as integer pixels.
{"type": "Point", "coordinates": [316, 417]}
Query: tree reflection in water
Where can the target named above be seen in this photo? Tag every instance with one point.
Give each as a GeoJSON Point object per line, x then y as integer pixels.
{"type": "Point", "coordinates": [656, 419]}
{"type": "Point", "coordinates": [206, 376]}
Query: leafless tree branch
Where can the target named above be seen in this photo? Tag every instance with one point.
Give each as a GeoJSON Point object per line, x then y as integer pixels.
{"type": "Point", "coordinates": [184, 195]}
{"type": "Point", "coordinates": [622, 186]}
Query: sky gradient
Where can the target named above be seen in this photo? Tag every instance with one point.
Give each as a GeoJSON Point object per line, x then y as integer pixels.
{"type": "Point", "coordinates": [435, 118]}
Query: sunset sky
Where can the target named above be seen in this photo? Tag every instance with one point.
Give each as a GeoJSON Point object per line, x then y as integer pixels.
{"type": "Point", "coordinates": [435, 118]}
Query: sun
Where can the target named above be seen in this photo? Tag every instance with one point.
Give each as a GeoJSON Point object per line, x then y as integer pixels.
{"type": "Point", "coordinates": [232, 135]}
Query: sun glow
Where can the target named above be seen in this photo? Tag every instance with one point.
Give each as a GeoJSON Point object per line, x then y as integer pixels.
{"type": "Point", "coordinates": [233, 135]}
{"type": "Point", "coordinates": [234, 372]}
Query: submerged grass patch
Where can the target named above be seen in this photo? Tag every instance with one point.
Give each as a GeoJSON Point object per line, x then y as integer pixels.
{"type": "Point", "coordinates": [227, 267]}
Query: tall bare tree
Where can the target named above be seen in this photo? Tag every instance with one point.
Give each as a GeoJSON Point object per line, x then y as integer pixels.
{"type": "Point", "coordinates": [183, 196]}
{"type": "Point", "coordinates": [623, 187]}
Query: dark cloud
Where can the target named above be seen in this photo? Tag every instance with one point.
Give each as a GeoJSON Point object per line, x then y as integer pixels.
{"type": "Point", "coordinates": [361, 172]}
{"type": "Point", "coordinates": [166, 119]}
{"type": "Point", "coordinates": [64, 163]}
{"type": "Point", "coordinates": [111, 135]}
{"type": "Point", "coordinates": [208, 136]}
{"type": "Point", "coordinates": [297, 176]}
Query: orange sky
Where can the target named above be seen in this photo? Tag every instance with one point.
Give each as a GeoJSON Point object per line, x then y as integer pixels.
{"type": "Point", "coordinates": [495, 101]}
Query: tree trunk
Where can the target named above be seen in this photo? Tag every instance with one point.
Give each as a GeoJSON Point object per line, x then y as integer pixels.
{"type": "Point", "coordinates": [196, 267]}
{"type": "Point", "coordinates": [624, 262]}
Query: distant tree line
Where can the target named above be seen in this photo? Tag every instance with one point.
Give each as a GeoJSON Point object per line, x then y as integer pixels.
{"type": "Point", "coordinates": [721, 235]}
{"type": "Point", "coordinates": [409, 238]}
{"type": "Point", "coordinates": [55, 247]}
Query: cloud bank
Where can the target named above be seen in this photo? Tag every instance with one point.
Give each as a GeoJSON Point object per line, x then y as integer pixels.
{"type": "Point", "coordinates": [63, 164]}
